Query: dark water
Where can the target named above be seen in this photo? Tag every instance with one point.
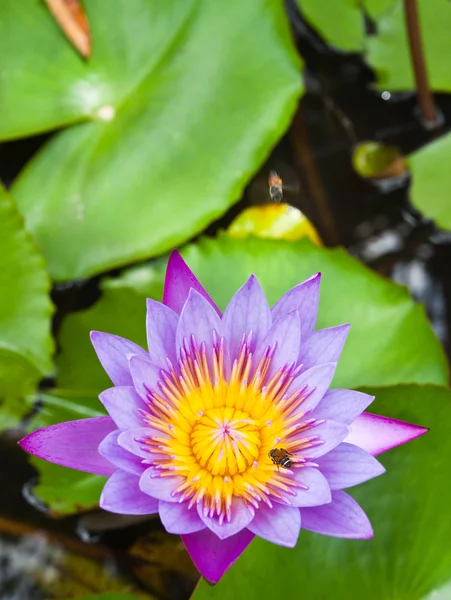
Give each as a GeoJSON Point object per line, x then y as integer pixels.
{"type": "Point", "coordinates": [45, 558]}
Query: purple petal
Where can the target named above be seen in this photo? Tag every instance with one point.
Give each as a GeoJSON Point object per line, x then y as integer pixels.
{"type": "Point", "coordinates": [342, 518]}
{"type": "Point", "coordinates": [73, 444]}
{"type": "Point", "coordinates": [133, 440]}
{"type": "Point", "coordinates": [212, 556]}
{"type": "Point", "coordinates": [178, 518]}
{"type": "Point", "coordinates": [248, 310]}
{"type": "Point", "coordinates": [121, 494]}
{"type": "Point", "coordinates": [317, 379]}
{"type": "Point", "coordinates": [241, 517]}
{"type": "Point", "coordinates": [331, 433]}
{"type": "Point", "coordinates": [161, 325]}
{"type": "Point", "coordinates": [112, 352]}
{"type": "Point", "coordinates": [280, 524]}
{"type": "Point", "coordinates": [348, 465]}
{"type": "Point", "coordinates": [110, 449]}
{"type": "Point", "coordinates": [342, 405]}
{"type": "Point", "coordinates": [160, 487]}
{"type": "Point", "coordinates": [178, 282]}
{"type": "Point", "coordinates": [199, 319]}
{"type": "Point", "coordinates": [286, 334]}
{"type": "Point", "coordinates": [324, 346]}
{"type": "Point", "coordinates": [303, 298]}
{"type": "Point", "coordinates": [377, 434]}
{"type": "Point", "coordinates": [318, 491]}
{"type": "Point", "coordinates": [145, 375]}
{"type": "Point", "coordinates": [123, 405]}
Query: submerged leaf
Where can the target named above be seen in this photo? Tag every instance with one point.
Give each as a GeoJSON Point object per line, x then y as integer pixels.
{"type": "Point", "coordinates": [377, 161]}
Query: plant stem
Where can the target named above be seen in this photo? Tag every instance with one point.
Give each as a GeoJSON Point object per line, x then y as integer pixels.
{"type": "Point", "coordinates": [425, 97]}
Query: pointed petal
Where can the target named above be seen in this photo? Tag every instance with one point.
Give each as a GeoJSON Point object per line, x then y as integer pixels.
{"type": "Point", "coordinates": [377, 434]}
{"type": "Point", "coordinates": [161, 325]}
{"type": "Point", "coordinates": [318, 491]}
{"type": "Point", "coordinates": [177, 518]}
{"type": "Point", "coordinates": [123, 405]}
{"type": "Point", "coordinates": [110, 449]}
{"type": "Point", "coordinates": [323, 346]}
{"type": "Point", "coordinates": [331, 433]}
{"type": "Point", "coordinates": [212, 556]}
{"type": "Point", "coordinates": [199, 319]}
{"type": "Point", "coordinates": [317, 379]}
{"type": "Point", "coordinates": [348, 465]}
{"type": "Point", "coordinates": [134, 440]}
{"type": "Point", "coordinates": [73, 444]}
{"type": "Point", "coordinates": [342, 405]}
{"type": "Point", "coordinates": [159, 487]}
{"type": "Point", "coordinates": [178, 282]}
{"type": "Point", "coordinates": [248, 310]}
{"type": "Point", "coordinates": [121, 495]}
{"type": "Point", "coordinates": [241, 517]}
{"type": "Point", "coordinates": [304, 298]}
{"type": "Point", "coordinates": [112, 352]}
{"type": "Point", "coordinates": [280, 524]}
{"type": "Point", "coordinates": [342, 518]}
{"type": "Point", "coordinates": [286, 334]}
{"type": "Point", "coordinates": [145, 376]}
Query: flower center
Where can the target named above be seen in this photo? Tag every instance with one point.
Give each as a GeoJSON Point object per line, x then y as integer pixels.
{"type": "Point", "coordinates": [226, 441]}
{"type": "Point", "coordinates": [218, 424]}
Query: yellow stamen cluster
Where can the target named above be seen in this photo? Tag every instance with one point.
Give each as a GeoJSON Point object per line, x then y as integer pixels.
{"type": "Point", "coordinates": [218, 428]}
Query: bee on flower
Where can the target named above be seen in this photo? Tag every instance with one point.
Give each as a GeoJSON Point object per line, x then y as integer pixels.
{"type": "Point", "coordinates": [197, 421]}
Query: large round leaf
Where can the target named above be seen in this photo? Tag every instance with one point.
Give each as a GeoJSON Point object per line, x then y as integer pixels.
{"type": "Point", "coordinates": [410, 555]}
{"type": "Point", "coordinates": [432, 180]}
{"type": "Point", "coordinates": [390, 339]}
{"type": "Point", "coordinates": [25, 312]}
{"type": "Point", "coordinates": [388, 51]}
{"type": "Point", "coordinates": [179, 104]}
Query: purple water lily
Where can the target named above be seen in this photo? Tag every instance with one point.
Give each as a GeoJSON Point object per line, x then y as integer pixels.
{"type": "Point", "coordinates": [194, 422]}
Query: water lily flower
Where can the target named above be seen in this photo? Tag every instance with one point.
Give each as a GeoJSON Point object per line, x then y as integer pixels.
{"type": "Point", "coordinates": [226, 425]}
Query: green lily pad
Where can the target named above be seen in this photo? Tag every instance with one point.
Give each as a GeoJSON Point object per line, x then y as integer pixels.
{"type": "Point", "coordinates": [431, 180]}
{"type": "Point", "coordinates": [390, 340]}
{"type": "Point", "coordinates": [388, 51]}
{"type": "Point", "coordinates": [177, 107]}
{"type": "Point", "coordinates": [376, 8]}
{"type": "Point", "coordinates": [25, 312]}
{"type": "Point", "coordinates": [409, 556]}
{"type": "Point", "coordinates": [340, 22]}
{"type": "Point", "coordinates": [61, 491]}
